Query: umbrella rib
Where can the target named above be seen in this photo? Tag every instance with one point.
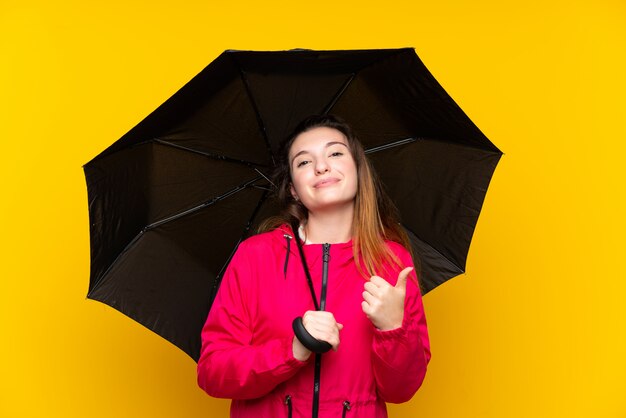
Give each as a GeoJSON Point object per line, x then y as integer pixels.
{"type": "Point", "coordinates": [207, 154]}
{"type": "Point", "coordinates": [262, 188]}
{"type": "Point", "coordinates": [202, 205]}
{"type": "Point", "coordinates": [420, 138]}
{"type": "Point", "coordinates": [265, 177]}
{"type": "Point", "coordinates": [338, 94]}
{"type": "Point", "coordinates": [246, 84]}
{"type": "Point", "coordinates": [392, 144]}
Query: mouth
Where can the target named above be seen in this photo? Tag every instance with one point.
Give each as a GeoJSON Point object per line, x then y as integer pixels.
{"type": "Point", "coordinates": [326, 182]}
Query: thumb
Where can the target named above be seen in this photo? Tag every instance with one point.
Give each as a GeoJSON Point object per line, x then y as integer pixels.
{"type": "Point", "coordinates": [402, 278]}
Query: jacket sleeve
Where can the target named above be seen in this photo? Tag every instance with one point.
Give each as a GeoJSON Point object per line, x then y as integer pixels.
{"type": "Point", "coordinates": [231, 365]}
{"type": "Point", "coordinates": [400, 356]}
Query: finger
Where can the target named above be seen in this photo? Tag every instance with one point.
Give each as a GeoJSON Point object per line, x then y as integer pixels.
{"type": "Point", "coordinates": [308, 315]}
{"type": "Point", "coordinates": [330, 339]}
{"type": "Point", "coordinates": [402, 278]}
{"type": "Point", "coordinates": [327, 317]}
{"type": "Point", "coordinates": [372, 288]}
{"type": "Point", "coordinates": [323, 315]}
{"type": "Point", "coordinates": [369, 298]}
{"type": "Point", "coordinates": [320, 317]}
{"type": "Point", "coordinates": [366, 308]}
{"type": "Point", "coordinates": [330, 336]}
{"type": "Point", "coordinates": [308, 318]}
{"type": "Point", "coordinates": [314, 324]}
{"type": "Point", "coordinates": [323, 324]}
{"type": "Point", "coordinates": [319, 321]}
{"type": "Point", "coordinates": [378, 281]}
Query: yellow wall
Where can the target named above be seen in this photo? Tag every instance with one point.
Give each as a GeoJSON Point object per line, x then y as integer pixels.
{"type": "Point", "coordinates": [536, 328]}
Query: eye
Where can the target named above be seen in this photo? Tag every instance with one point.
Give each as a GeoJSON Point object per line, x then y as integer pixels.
{"type": "Point", "coordinates": [302, 163]}
{"type": "Point", "coordinates": [336, 154]}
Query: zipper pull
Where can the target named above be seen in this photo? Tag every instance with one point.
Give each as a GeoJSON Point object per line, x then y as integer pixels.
{"type": "Point", "coordinates": [326, 255]}
{"type": "Point", "coordinates": [288, 403]}
{"type": "Point", "coordinates": [346, 408]}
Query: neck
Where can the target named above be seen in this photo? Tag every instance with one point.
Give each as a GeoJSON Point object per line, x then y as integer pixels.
{"type": "Point", "coordinates": [331, 228]}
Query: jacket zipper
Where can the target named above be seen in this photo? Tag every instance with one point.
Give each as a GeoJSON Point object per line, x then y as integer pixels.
{"type": "Point", "coordinates": [346, 408]}
{"type": "Point", "coordinates": [318, 357]}
{"type": "Point", "coordinates": [288, 403]}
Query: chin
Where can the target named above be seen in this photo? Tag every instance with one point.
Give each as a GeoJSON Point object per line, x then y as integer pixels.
{"type": "Point", "coordinates": [329, 204]}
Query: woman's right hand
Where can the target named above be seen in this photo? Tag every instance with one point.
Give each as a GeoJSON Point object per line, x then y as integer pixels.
{"type": "Point", "coordinates": [322, 326]}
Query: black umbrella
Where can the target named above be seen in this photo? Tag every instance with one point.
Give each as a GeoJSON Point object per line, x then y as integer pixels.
{"type": "Point", "coordinates": [170, 201]}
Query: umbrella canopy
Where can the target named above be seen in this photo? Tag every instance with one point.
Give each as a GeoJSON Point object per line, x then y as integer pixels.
{"type": "Point", "coordinates": [170, 200]}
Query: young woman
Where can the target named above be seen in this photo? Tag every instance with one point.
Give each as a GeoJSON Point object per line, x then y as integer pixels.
{"type": "Point", "coordinates": [338, 248]}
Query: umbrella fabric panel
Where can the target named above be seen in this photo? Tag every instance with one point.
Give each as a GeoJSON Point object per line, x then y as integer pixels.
{"type": "Point", "coordinates": [398, 98]}
{"type": "Point", "coordinates": [223, 125]}
{"type": "Point", "coordinates": [283, 100]}
{"type": "Point", "coordinates": [165, 278]}
{"type": "Point", "coordinates": [118, 204]}
{"type": "Point", "coordinates": [173, 111]}
{"type": "Point", "coordinates": [147, 184]}
{"type": "Point", "coordinates": [432, 268]}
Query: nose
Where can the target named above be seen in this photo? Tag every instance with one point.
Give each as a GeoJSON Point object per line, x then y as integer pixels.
{"type": "Point", "coordinates": [321, 166]}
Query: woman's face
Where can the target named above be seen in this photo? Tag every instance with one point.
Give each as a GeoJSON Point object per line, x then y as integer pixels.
{"type": "Point", "coordinates": [323, 171]}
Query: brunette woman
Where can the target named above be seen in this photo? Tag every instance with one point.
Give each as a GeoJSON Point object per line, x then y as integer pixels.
{"type": "Point", "coordinates": [333, 271]}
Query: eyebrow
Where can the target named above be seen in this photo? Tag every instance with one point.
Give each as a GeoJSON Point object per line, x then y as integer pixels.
{"type": "Point", "coordinates": [328, 144]}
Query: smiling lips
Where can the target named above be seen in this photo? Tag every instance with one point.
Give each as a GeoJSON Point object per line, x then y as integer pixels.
{"type": "Point", "coordinates": [326, 182]}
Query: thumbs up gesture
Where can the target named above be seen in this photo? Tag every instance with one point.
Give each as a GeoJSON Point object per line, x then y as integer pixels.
{"type": "Point", "coordinates": [383, 303]}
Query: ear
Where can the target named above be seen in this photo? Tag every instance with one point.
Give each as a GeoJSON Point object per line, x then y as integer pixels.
{"type": "Point", "coordinates": [293, 191]}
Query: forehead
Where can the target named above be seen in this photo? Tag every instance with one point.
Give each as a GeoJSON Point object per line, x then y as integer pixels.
{"type": "Point", "coordinates": [316, 137]}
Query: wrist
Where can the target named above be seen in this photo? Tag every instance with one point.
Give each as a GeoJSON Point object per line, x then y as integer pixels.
{"type": "Point", "coordinates": [390, 327]}
{"type": "Point", "coordinates": [300, 352]}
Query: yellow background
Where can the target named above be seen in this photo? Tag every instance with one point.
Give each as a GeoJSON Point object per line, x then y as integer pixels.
{"type": "Point", "coordinates": [537, 326]}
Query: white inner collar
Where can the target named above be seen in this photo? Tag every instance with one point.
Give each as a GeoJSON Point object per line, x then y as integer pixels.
{"type": "Point", "coordinates": [302, 235]}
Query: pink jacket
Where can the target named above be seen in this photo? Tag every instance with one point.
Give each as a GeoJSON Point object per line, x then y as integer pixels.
{"type": "Point", "coordinates": [247, 339]}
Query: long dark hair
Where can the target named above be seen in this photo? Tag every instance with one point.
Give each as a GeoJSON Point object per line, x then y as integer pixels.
{"type": "Point", "coordinates": [375, 216]}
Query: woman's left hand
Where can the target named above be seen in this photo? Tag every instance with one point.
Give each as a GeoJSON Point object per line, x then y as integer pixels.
{"type": "Point", "coordinates": [383, 303]}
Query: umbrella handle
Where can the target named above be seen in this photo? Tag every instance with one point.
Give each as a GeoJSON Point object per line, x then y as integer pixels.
{"type": "Point", "coordinates": [307, 340]}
